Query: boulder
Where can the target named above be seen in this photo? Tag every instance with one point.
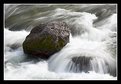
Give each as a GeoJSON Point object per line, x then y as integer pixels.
{"type": "Point", "coordinates": [46, 39]}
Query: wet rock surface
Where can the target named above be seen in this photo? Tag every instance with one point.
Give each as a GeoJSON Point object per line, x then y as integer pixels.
{"type": "Point", "coordinates": [47, 39]}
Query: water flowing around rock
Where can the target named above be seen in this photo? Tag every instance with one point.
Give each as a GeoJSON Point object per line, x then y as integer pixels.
{"type": "Point", "coordinates": [90, 54]}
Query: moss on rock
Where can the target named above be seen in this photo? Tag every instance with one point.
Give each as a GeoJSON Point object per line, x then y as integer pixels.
{"type": "Point", "coordinates": [46, 40]}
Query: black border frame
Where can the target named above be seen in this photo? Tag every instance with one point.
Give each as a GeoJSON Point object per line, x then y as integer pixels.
{"type": "Point", "coordinates": [54, 2]}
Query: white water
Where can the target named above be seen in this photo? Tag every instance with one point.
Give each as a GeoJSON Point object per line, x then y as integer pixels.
{"type": "Point", "coordinates": [86, 40]}
{"type": "Point", "coordinates": [77, 48]}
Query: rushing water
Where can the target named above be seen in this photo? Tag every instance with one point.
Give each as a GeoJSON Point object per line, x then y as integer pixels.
{"type": "Point", "coordinates": [90, 54]}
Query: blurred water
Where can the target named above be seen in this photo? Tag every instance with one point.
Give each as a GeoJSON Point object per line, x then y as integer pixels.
{"type": "Point", "coordinates": [94, 34]}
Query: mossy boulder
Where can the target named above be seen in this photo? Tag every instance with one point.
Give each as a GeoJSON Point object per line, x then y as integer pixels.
{"type": "Point", "coordinates": [46, 39]}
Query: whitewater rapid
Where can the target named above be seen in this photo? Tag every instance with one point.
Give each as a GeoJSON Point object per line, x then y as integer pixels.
{"type": "Point", "coordinates": [87, 39]}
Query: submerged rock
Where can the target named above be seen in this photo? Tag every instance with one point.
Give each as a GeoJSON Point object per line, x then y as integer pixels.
{"type": "Point", "coordinates": [82, 64]}
{"type": "Point", "coordinates": [46, 39]}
